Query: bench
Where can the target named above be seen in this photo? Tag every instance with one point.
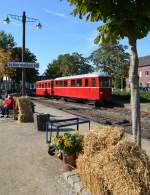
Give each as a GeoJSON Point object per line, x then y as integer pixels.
{"type": "Point", "coordinates": [58, 123]}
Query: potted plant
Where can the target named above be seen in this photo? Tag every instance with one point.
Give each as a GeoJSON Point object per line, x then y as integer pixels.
{"type": "Point", "coordinates": [69, 144]}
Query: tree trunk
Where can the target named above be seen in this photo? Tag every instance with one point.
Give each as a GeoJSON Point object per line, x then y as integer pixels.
{"type": "Point", "coordinates": [135, 97]}
{"type": "Point", "coordinates": [121, 84]}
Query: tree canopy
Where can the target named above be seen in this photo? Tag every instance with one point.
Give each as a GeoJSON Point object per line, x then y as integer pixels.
{"type": "Point", "coordinates": [68, 64]}
{"type": "Point", "coordinates": [5, 57]}
{"type": "Point", "coordinates": [6, 41]}
{"type": "Point", "coordinates": [6, 44]}
{"type": "Point", "coordinates": [120, 19]}
{"type": "Point", "coordinates": [113, 59]}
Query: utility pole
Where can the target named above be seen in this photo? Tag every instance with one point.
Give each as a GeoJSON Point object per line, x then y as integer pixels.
{"type": "Point", "coordinates": [24, 19]}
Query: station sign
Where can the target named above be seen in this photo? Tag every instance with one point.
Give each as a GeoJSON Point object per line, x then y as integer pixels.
{"type": "Point", "coordinates": [23, 65]}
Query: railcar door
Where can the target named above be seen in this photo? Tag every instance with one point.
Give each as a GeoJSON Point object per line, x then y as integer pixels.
{"type": "Point", "coordinates": [105, 89]}
{"type": "Point", "coordinates": [52, 88]}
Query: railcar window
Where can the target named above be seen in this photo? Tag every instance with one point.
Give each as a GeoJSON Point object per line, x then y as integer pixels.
{"type": "Point", "coordinates": [42, 85]}
{"type": "Point", "coordinates": [39, 85]}
{"type": "Point", "coordinates": [73, 83]}
{"type": "Point", "coordinates": [45, 85]}
{"type": "Point", "coordinates": [79, 83]}
{"type": "Point", "coordinates": [65, 83]}
{"type": "Point", "coordinates": [59, 83]}
{"type": "Point", "coordinates": [86, 82]}
{"type": "Point", "coordinates": [93, 83]}
{"type": "Point", "coordinates": [49, 85]}
{"type": "Point", "coordinates": [104, 82]}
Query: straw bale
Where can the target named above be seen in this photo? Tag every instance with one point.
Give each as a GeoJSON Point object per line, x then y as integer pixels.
{"type": "Point", "coordinates": [86, 175]}
{"type": "Point", "coordinates": [102, 137]}
{"type": "Point", "coordinates": [25, 113]}
{"type": "Point", "coordinates": [124, 168]}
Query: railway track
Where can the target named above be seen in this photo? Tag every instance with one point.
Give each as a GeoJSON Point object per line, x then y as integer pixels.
{"type": "Point", "coordinates": [103, 115]}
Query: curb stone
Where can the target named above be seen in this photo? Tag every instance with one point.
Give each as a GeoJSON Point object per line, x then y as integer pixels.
{"type": "Point", "coordinates": [73, 180]}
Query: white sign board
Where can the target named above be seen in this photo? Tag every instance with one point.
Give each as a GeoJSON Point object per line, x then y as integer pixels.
{"type": "Point", "coordinates": [23, 65]}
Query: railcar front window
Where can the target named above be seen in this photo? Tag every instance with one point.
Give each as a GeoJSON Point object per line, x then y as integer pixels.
{"type": "Point", "coordinates": [45, 85]}
{"type": "Point", "coordinates": [79, 83]}
{"type": "Point", "coordinates": [104, 82]}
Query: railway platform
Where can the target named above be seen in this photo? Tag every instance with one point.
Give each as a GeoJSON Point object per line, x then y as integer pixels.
{"type": "Point", "coordinates": [25, 166]}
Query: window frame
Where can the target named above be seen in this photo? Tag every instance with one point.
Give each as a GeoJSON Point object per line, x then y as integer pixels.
{"type": "Point", "coordinates": [65, 83]}
{"type": "Point", "coordinates": [103, 80]}
{"type": "Point", "coordinates": [49, 85]}
{"type": "Point", "coordinates": [78, 83]}
{"type": "Point", "coordinates": [93, 79]}
{"type": "Point", "coordinates": [73, 83]}
{"type": "Point", "coordinates": [86, 84]}
{"type": "Point", "coordinates": [147, 73]}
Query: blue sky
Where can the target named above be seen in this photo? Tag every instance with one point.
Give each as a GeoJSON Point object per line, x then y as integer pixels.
{"type": "Point", "coordinates": [61, 32]}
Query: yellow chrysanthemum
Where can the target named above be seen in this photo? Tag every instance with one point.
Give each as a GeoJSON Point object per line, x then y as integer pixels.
{"type": "Point", "coordinates": [67, 143]}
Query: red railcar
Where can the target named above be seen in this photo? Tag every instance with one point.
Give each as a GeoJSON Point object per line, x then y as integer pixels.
{"type": "Point", "coordinates": [93, 87]}
{"type": "Point", "coordinates": [44, 88]}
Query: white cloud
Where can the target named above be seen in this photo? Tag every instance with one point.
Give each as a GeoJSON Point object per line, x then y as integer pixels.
{"type": "Point", "coordinates": [55, 13]}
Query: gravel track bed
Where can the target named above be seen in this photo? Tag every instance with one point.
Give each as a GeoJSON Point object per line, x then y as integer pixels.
{"type": "Point", "coordinates": [104, 115]}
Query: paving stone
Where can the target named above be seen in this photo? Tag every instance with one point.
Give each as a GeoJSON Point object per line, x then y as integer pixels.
{"type": "Point", "coordinates": [85, 192]}
{"type": "Point", "coordinates": [78, 187]}
{"type": "Point", "coordinates": [66, 175]}
{"type": "Point", "coordinates": [73, 179]}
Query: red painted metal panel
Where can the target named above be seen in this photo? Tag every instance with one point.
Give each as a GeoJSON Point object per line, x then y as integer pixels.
{"type": "Point", "coordinates": [90, 88]}
{"type": "Point", "coordinates": [43, 88]}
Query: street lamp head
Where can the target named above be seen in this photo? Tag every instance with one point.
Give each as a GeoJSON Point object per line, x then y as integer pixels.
{"type": "Point", "coordinates": [39, 26]}
{"type": "Point", "coordinates": [7, 20]}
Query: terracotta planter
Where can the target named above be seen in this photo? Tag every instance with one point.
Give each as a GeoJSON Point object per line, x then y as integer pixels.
{"type": "Point", "coordinates": [69, 161]}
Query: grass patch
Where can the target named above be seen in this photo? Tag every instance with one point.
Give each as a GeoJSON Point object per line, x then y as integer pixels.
{"type": "Point", "coordinates": [125, 96]}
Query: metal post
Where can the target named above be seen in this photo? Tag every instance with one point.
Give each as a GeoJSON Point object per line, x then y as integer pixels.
{"type": "Point", "coordinates": [23, 52]}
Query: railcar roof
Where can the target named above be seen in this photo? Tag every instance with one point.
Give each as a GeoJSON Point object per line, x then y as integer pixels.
{"type": "Point", "coordinates": [101, 74]}
{"type": "Point", "coordinates": [43, 81]}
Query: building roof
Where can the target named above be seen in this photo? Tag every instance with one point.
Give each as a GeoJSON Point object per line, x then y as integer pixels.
{"type": "Point", "coordinates": [144, 61]}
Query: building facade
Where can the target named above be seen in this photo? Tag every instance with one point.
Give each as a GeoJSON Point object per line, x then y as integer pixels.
{"type": "Point", "coordinates": [144, 74]}
{"type": "Point", "coordinates": [144, 71]}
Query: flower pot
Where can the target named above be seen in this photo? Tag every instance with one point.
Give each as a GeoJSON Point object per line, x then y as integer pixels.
{"type": "Point", "coordinates": [69, 161]}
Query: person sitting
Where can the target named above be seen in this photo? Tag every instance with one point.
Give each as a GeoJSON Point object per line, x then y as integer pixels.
{"type": "Point", "coordinates": [1, 102]}
{"type": "Point", "coordinates": [7, 105]}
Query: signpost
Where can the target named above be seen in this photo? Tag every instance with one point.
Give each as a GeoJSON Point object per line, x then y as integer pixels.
{"type": "Point", "coordinates": [23, 65]}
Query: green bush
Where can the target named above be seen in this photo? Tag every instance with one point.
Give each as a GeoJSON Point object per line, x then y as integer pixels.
{"type": "Point", "coordinates": [125, 96]}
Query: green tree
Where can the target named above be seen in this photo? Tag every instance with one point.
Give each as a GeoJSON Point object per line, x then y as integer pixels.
{"type": "Point", "coordinates": [31, 74]}
{"type": "Point", "coordinates": [121, 19]}
{"type": "Point", "coordinates": [6, 41]}
{"type": "Point", "coordinates": [6, 44]}
{"type": "Point", "coordinates": [68, 64]}
{"type": "Point", "coordinates": [5, 71]}
{"type": "Point", "coordinates": [114, 59]}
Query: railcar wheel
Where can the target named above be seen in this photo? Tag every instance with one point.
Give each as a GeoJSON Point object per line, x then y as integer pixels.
{"type": "Point", "coordinates": [66, 99]}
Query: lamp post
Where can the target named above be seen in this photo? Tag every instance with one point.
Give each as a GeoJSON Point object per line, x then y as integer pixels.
{"type": "Point", "coordinates": [24, 19]}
